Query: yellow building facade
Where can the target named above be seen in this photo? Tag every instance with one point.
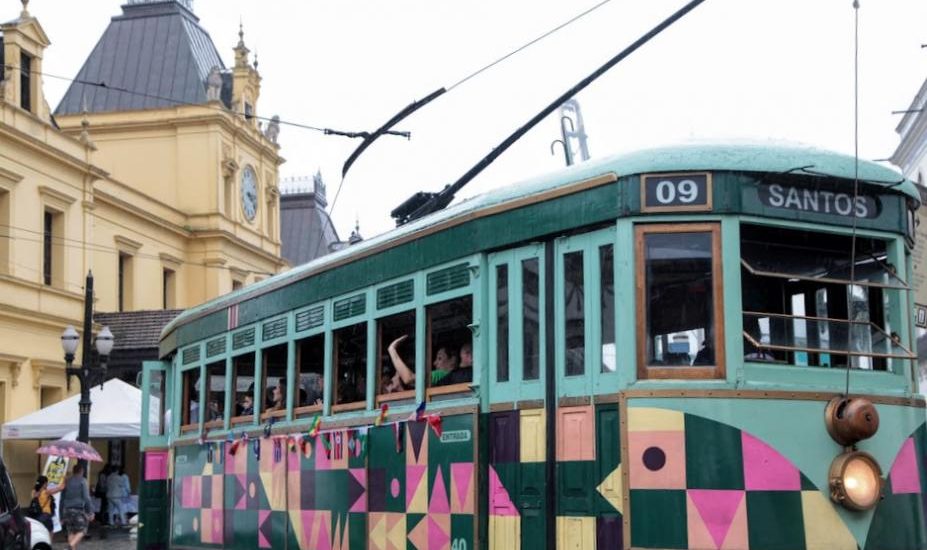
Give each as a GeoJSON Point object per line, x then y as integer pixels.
{"type": "Point", "coordinates": [169, 203]}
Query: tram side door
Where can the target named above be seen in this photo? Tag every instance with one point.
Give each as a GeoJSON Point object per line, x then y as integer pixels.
{"type": "Point", "coordinates": [587, 435]}
{"type": "Point", "coordinates": [516, 331]}
{"type": "Point", "coordinates": [154, 494]}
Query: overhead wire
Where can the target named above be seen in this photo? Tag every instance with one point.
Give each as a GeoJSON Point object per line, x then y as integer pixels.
{"type": "Point", "coordinates": [852, 289]}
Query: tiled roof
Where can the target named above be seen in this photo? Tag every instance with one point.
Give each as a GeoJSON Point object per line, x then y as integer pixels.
{"type": "Point", "coordinates": [155, 50]}
{"type": "Point", "coordinates": [136, 329]}
{"type": "Point", "coordinates": [306, 230]}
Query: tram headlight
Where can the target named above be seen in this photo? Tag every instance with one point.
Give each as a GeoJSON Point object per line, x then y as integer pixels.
{"type": "Point", "coordinates": [855, 480]}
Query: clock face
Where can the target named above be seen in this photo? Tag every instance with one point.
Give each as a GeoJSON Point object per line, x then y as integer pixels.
{"type": "Point", "coordinates": [249, 196]}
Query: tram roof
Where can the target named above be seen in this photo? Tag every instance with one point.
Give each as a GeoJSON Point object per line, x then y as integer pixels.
{"type": "Point", "coordinates": [757, 157]}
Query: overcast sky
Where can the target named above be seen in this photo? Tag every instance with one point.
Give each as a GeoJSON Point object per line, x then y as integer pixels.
{"type": "Point", "coordinates": [731, 69]}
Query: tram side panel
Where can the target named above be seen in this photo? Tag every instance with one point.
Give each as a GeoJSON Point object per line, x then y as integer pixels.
{"type": "Point", "coordinates": [395, 486]}
{"type": "Point", "coordinates": [752, 474]}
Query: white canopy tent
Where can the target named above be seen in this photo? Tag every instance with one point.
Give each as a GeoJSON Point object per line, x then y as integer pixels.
{"type": "Point", "coordinates": [116, 413]}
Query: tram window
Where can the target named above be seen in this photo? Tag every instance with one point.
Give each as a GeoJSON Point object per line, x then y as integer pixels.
{"type": "Point", "coordinates": [156, 391]}
{"type": "Point", "coordinates": [310, 360]}
{"type": "Point", "coordinates": [243, 382]}
{"type": "Point", "coordinates": [274, 374]}
{"type": "Point", "coordinates": [215, 394]}
{"type": "Point", "coordinates": [531, 327]}
{"type": "Point", "coordinates": [190, 404]}
{"type": "Point", "coordinates": [350, 364]}
{"type": "Point", "coordinates": [502, 323]}
{"type": "Point", "coordinates": [574, 318]}
{"type": "Point", "coordinates": [679, 301]}
{"type": "Point", "coordinates": [607, 306]}
{"type": "Point", "coordinates": [450, 347]}
{"type": "Point", "coordinates": [396, 355]}
{"type": "Point", "coordinates": [799, 304]}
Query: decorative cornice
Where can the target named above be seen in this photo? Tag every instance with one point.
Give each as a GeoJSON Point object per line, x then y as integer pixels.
{"type": "Point", "coordinates": [170, 260]}
{"type": "Point", "coordinates": [126, 244]}
{"type": "Point", "coordinates": [54, 195]}
{"type": "Point", "coordinates": [8, 178]}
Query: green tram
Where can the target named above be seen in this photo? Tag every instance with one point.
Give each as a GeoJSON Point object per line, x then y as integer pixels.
{"type": "Point", "coordinates": [687, 347]}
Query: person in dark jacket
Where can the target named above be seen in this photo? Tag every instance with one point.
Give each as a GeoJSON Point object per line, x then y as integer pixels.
{"type": "Point", "coordinates": [76, 506]}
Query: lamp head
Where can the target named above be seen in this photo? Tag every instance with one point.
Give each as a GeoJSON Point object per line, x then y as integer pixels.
{"type": "Point", "coordinates": [69, 341]}
{"type": "Point", "coordinates": [105, 342]}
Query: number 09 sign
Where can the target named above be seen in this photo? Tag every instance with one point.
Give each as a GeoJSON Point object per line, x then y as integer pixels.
{"type": "Point", "coordinates": [675, 192]}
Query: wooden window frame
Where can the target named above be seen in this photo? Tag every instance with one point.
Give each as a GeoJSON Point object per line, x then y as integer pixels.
{"type": "Point", "coordinates": [267, 415]}
{"type": "Point", "coordinates": [234, 420]}
{"type": "Point", "coordinates": [305, 410]}
{"type": "Point", "coordinates": [381, 398]}
{"type": "Point", "coordinates": [185, 425]}
{"type": "Point", "coordinates": [466, 387]}
{"type": "Point", "coordinates": [212, 424]}
{"type": "Point", "coordinates": [354, 405]}
{"type": "Point", "coordinates": [711, 372]}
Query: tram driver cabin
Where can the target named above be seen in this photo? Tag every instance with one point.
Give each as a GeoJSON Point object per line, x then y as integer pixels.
{"type": "Point", "coordinates": [633, 352]}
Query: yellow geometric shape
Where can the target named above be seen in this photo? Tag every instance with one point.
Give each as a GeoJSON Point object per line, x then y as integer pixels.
{"type": "Point", "coordinates": [397, 531]}
{"type": "Point", "coordinates": [610, 489]}
{"type": "Point", "coordinates": [207, 469]}
{"type": "Point", "coordinates": [649, 419]}
{"type": "Point", "coordinates": [377, 531]}
{"type": "Point", "coordinates": [504, 532]}
{"type": "Point", "coordinates": [533, 448]}
{"type": "Point", "coordinates": [419, 501]}
{"type": "Point", "coordinates": [296, 523]}
{"type": "Point", "coordinates": [824, 530]}
{"type": "Point", "coordinates": [576, 533]}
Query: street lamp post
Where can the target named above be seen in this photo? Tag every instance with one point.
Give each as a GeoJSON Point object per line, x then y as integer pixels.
{"type": "Point", "coordinates": [88, 374]}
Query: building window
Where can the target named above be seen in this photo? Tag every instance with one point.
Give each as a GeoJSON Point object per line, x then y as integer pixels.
{"type": "Point", "coordinates": [125, 278]}
{"type": "Point", "coordinates": [236, 285]}
{"type": "Point", "coordinates": [6, 232]}
{"type": "Point", "coordinates": [680, 326]}
{"type": "Point", "coordinates": [53, 248]}
{"type": "Point", "coordinates": [249, 111]}
{"type": "Point", "coordinates": [25, 81]}
{"type": "Point", "coordinates": [350, 362]}
{"type": "Point", "coordinates": [47, 248]}
{"type": "Point", "coordinates": [168, 289]}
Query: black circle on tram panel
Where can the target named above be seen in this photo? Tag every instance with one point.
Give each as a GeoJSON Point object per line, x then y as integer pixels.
{"type": "Point", "coordinates": [654, 458]}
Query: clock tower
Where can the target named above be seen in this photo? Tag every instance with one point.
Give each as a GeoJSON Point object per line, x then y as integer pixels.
{"type": "Point", "coordinates": [175, 127]}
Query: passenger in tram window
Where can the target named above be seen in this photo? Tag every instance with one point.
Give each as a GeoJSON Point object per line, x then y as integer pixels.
{"type": "Point", "coordinates": [214, 413]}
{"type": "Point", "coordinates": [246, 405]}
{"type": "Point", "coordinates": [277, 398]}
{"type": "Point", "coordinates": [311, 391]}
{"type": "Point", "coordinates": [706, 355]}
{"type": "Point", "coordinates": [452, 367]}
{"type": "Point", "coordinates": [753, 353]}
{"type": "Point", "coordinates": [403, 377]}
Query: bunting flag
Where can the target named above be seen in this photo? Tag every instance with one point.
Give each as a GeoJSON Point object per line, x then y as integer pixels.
{"type": "Point", "coordinates": [278, 450]}
{"type": "Point", "coordinates": [339, 448]}
{"type": "Point", "coordinates": [256, 447]}
{"type": "Point", "coordinates": [399, 429]}
{"type": "Point", "coordinates": [434, 420]}
{"type": "Point", "coordinates": [209, 452]}
{"type": "Point", "coordinates": [238, 443]}
{"type": "Point", "coordinates": [305, 446]}
{"type": "Point", "coordinates": [419, 413]}
{"type": "Point", "coordinates": [382, 418]}
{"type": "Point", "coordinates": [316, 426]}
{"type": "Point", "coordinates": [291, 443]}
{"type": "Point", "coordinates": [326, 442]}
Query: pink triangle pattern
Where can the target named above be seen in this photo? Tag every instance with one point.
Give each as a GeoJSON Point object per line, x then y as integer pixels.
{"type": "Point", "coordinates": [717, 509]}
{"type": "Point", "coordinates": [438, 537]}
{"type": "Point", "coordinates": [242, 503]}
{"type": "Point", "coordinates": [439, 503]}
{"type": "Point", "coordinates": [262, 540]}
{"type": "Point", "coordinates": [414, 475]}
{"type": "Point", "coordinates": [419, 534]}
{"type": "Point", "coordinates": [324, 541]}
{"type": "Point", "coordinates": [360, 475]}
{"type": "Point", "coordinates": [904, 475]}
{"type": "Point", "coordinates": [461, 474]}
{"type": "Point", "coordinates": [500, 503]}
{"type": "Point", "coordinates": [765, 469]}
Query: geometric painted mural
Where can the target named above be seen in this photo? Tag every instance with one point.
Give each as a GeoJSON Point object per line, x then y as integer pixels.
{"type": "Point", "coordinates": [899, 519]}
{"type": "Point", "coordinates": [698, 483]}
{"type": "Point", "coordinates": [404, 488]}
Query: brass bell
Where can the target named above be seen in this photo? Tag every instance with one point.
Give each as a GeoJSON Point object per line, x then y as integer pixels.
{"type": "Point", "coordinates": [851, 419]}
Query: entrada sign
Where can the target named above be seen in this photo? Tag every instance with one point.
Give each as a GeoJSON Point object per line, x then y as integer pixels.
{"type": "Point", "coordinates": [818, 201]}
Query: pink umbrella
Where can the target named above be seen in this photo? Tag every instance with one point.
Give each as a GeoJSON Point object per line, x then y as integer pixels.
{"type": "Point", "coordinates": [70, 449]}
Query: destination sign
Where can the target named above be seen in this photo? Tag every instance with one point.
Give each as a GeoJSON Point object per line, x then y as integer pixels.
{"type": "Point", "coordinates": [675, 192]}
{"type": "Point", "coordinates": [818, 201]}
